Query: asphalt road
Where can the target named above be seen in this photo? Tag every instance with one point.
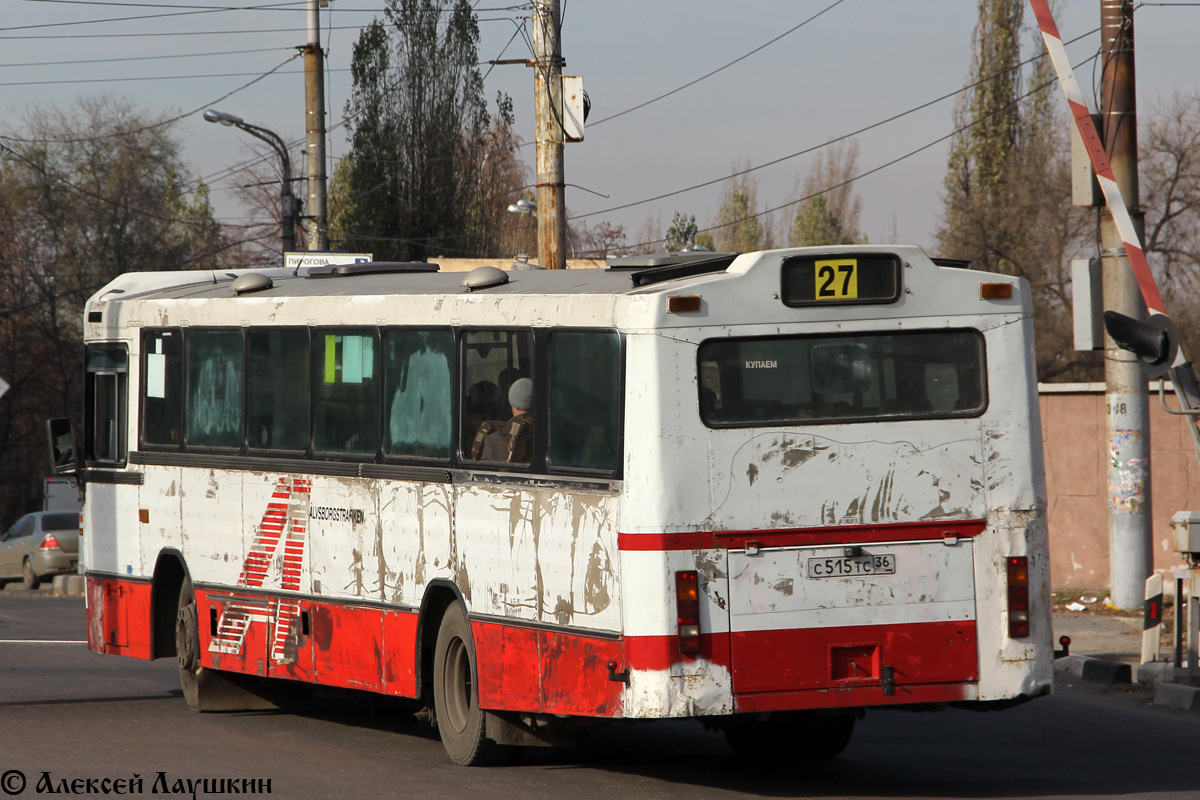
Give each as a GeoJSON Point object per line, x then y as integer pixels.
{"type": "Point", "coordinates": [77, 715]}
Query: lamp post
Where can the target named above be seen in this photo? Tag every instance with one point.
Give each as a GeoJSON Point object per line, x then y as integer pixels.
{"type": "Point", "coordinates": [524, 206]}
{"type": "Point", "coordinates": [287, 199]}
{"type": "Point", "coordinates": [520, 207]}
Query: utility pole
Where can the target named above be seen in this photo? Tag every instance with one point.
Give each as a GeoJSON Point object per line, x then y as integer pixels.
{"type": "Point", "coordinates": [314, 103]}
{"type": "Point", "coordinates": [1129, 521]}
{"type": "Point", "coordinates": [548, 104]}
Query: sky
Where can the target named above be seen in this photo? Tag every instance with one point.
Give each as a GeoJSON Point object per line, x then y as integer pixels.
{"type": "Point", "coordinates": [855, 63]}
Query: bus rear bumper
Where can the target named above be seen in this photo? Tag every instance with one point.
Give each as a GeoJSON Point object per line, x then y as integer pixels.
{"type": "Point", "coordinates": [860, 696]}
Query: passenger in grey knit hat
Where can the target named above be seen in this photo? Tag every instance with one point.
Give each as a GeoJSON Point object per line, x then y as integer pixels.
{"type": "Point", "coordinates": [520, 396]}
{"type": "Point", "coordinates": [510, 441]}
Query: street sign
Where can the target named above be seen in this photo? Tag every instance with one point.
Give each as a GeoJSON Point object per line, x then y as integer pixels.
{"type": "Point", "coordinates": [310, 258]}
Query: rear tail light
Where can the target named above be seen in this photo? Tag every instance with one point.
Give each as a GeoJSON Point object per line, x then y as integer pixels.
{"type": "Point", "coordinates": [687, 608]}
{"type": "Point", "coordinates": [49, 542]}
{"type": "Point", "coordinates": [1018, 596]}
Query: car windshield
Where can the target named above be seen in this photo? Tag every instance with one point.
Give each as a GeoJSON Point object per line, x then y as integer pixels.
{"type": "Point", "coordinates": [64, 521]}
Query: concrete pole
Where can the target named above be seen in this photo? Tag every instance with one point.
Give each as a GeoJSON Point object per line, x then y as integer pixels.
{"type": "Point", "coordinates": [548, 105]}
{"type": "Point", "coordinates": [314, 104]}
{"type": "Point", "coordinates": [1129, 520]}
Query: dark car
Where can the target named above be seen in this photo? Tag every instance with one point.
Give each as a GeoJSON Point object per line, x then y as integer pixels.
{"type": "Point", "coordinates": [38, 545]}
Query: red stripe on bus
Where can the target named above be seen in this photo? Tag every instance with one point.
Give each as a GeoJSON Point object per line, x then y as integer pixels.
{"type": "Point", "coordinates": [791, 537]}
{"type": "Point", "coordinates": [119, 617]}
{"type": "Point", "coordinates": [347, 646]}
{"type": "Point", "coordinates": [801, 659]}
{"type": "Point", "coordinates": [550, 672]}
{"type": "Point", "coordinates": [546, 671]}
{"type": "Point", "coordinates": [526, 669]}
{"type": "Point", "coordinates": [661, 652]}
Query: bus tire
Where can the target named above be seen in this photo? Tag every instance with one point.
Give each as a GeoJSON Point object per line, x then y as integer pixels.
{"type": "Point", "coordinates": [187, 645]}
{"type": "Point", "coordinates": [30, 578]}
{"type": "Point", "coordinates": [461, 723]}
{"type": "Point", "coordinates": [790, 736]}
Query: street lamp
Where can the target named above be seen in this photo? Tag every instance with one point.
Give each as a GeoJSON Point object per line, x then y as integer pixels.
{"type": "Point", "coordinates": [287, 199]}
{"type": "Point", "coordinates": [523, 206]}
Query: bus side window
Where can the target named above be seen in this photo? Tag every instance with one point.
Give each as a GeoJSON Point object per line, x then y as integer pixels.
{"type": "Point", "coordinates": [417, 388]}
{"type": "Point", "coordinates": [214, 409]}
{"type": "Point", "coordinates": [106, 399]}
{"type": "Point", "coordinates": [347, 399]}
{"type": "Point", "coordinates": [585, 400]}
{"type": "Point", "coordinates": [277, 390]}
{"type": "Point", "coordinates": [493, 360]}
{"type": "Point", "coordinates": [162, 388]}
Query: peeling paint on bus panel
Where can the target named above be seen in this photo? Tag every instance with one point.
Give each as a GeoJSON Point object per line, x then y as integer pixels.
{"type": "Point", "coordinates": [522, 570]}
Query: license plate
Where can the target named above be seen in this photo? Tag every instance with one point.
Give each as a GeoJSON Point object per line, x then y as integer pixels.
{"type": "Point", "coordinates": [850, 566]}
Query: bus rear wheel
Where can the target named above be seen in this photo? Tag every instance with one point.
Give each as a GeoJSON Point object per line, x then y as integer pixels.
{"type": "Point", "coordinates": [461, 723]}
{"type": "Point", "coordinates": [187, 645]}
{"type": "Point", "coordinates": [796, 735]}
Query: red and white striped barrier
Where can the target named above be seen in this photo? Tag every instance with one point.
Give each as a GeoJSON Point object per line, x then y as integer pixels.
{"type": "Point", "coordinates": [1095, 149]}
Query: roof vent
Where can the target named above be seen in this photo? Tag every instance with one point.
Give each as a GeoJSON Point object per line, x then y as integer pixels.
{"type": "Point", "coordinates": [484, 278]}
{"type": "Point", "coordinates": [370, 268]}
{"type": "Point", "coordinates": [251, 282]}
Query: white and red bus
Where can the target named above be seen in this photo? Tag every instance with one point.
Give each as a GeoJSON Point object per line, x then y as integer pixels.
{"type": "Point", "coordinates": [770, 490]}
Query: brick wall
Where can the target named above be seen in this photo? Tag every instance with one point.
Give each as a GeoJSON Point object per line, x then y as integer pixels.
{"type": "Point", "coordinates": [1075, 444]}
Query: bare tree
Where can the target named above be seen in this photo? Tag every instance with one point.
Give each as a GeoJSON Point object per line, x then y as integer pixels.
{"type": "Point", "coordinates": [1170, 182]}
{"type": "Point", "coordinates": [1008, 187]}
{"type": "Point", "coordinates": [85, 194]}
{"type": "Point", "coordinates": [738, 227]}
{"type": "Point", "coordinates": [603, 240]}
{"type": "Point", "coordinates": [831, 214]}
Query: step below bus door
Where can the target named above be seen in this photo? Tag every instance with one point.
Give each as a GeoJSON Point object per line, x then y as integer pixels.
{"type": "Point", "coordinates": [878, 617]}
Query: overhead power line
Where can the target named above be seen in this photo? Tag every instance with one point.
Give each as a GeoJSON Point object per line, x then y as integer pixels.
{"type": "Point", "coordinates": [159, 124]}
{"type": "Point", "coordinates": [163, 57]}
{"type": "Point", "coordinates": [883, 166]}
{"type": "Point", "coordinates": [69, 23]}
{"type": "Point", "coordinates": [295, 5]}
{"type": "Point", "coordinates": [721, 68]}
{"type": "Point", "coordinates": [25, 37]}
{"type": "Point", "coordinates": [116, 35]}
{"type": "Point", "coordinates": [833, 141]}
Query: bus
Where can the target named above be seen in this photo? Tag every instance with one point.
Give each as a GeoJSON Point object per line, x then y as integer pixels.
{"type": "Point", "coordinates": [767, 490]}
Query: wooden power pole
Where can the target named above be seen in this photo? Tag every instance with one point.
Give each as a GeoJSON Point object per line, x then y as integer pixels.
{"type": "Point", "coordinates": [548, 103]}
{"type": "Point", "coordinates": [314, 126]}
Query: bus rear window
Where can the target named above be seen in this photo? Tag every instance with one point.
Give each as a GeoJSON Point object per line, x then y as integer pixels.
{"type": "Point", "coordinates": [857, 377]}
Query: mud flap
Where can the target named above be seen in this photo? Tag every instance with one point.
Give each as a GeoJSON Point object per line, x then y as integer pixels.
{"type": "Point", "coordinates": [229, 691]}
{"type": "Point", "coordinates": [515, 731]}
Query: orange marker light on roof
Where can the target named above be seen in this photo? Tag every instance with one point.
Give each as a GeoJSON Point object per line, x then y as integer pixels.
{"type": "Point", "coordinates": [683, 303]}
{"type": "Point", "coordinates": [995, 291]}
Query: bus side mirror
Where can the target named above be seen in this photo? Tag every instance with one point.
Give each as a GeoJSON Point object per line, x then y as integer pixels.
{"type": "Point", "coordinates": [63, 453]}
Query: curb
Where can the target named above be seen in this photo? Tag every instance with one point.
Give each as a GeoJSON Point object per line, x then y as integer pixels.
{"type": "Point", "coordinates": [1155, 673]}
{"type": "Point", "coordinates": [1094, 670]}
{"type": "Point", "coordinates": [1178, 696]}
{"type": "Point", "coordinates": [69, 585]}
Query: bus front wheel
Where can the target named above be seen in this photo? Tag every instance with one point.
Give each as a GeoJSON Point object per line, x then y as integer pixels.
{"type": "Point", "coordinates": [461, 722]}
